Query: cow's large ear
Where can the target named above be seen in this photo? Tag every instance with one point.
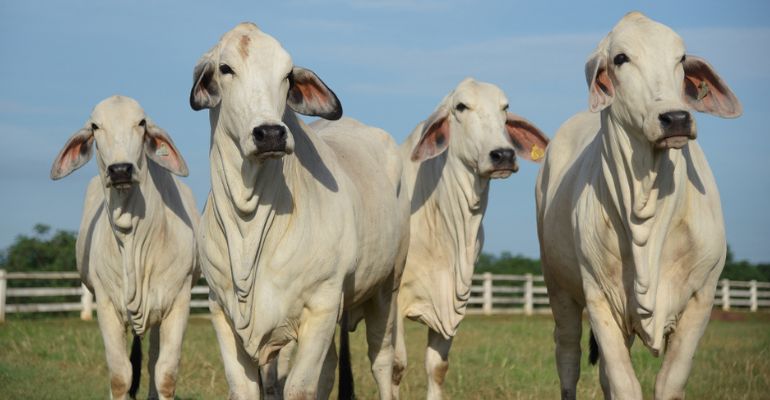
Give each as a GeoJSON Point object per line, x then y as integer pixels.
{"type": "Point", "coordinates": [600, 89]}
{"type": "Point", "coordinates": [308, 95]}
{"type": "Point", "coordinates": [706, 92]}
{"type": "Point", "coordinates": [76, 153]}
{"type": "Point", "coordinates": [205, 89]}
{"type": "Point", "coordinates": [160, 148]}
{"type": "Point", "coordinates": [435, 136]}
{"type": "Point", "coordinates": [528, 140]}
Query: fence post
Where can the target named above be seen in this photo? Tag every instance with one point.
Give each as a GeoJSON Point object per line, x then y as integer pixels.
{"type": "Point", "coordinates": [753, 295]}
{"type": "Point", "coordinates": [725, 295]}
{"type": "Point", "coordinates": [3, 286]}
{"type": "Point", "coordinates": [487, 294]}
{"type": "Point", "coordinates": [87, 302]}
{"type": "Point", "coordinates": [528, 295]}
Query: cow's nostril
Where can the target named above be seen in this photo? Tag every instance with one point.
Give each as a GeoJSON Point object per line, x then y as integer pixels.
{"type": "Point", "coordinates": [673, 118]}
{"type": "Point", "coordinates": [259, 133]}
{"type": "Point", "coordinates": [495, 156]}
{"type": "Point", "coordinates": [665, 119]}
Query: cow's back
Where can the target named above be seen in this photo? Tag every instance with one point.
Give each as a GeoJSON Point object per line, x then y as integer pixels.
{"type": "Point", "coordinates": [369, 158]}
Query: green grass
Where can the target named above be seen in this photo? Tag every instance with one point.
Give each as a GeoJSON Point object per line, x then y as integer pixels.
{"type": "Point", "coordinates": [507, 357]}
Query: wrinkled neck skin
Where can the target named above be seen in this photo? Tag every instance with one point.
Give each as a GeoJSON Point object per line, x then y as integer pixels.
{"type": "Point", "coordinates": [246, 198]}
{"type": "Point", "coordinates": [647, 189]}
{"type": "Point", "coordinates": [452, 199]}
{"type": "Point", "coordinates": [136, 216]}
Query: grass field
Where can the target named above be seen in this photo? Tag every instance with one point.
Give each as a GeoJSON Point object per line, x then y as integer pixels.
{"type": "Point", "coordinates": [507, 357]}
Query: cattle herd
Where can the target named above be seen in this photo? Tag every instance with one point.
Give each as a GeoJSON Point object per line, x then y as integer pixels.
{"type": "Point", "coordinates": [310, 226]}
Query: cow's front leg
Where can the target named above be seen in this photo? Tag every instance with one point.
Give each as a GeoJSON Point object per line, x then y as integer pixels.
{"type": "Point", "coordinates": [682, 342]}
{"type": "Point", "coordinates": [274, 373]}
{"type": "Point", "coordinates": [170, 337]}
{"type": "Point", "coordinates": [114, 336]}
{"type": "Point", "coordinates": [613, 349]}
{"type": "Point", "coordinates": [316, 333]}
{"type": "Point", "coordinates": [436, 363]}
{"type": "Point", "coordinates": [241, 371]}
{"type": "Point", "coordinates": [326, 381]}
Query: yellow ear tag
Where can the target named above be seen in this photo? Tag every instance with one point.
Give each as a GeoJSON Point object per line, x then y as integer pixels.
{"type": "Point", "coordinates": [536, 153]}
{"type": "Point", "coordinates": [162, 150]}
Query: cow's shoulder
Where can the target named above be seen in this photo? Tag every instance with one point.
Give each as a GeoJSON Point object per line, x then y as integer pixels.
{"type": "Point", "coordinates": [362, 150]}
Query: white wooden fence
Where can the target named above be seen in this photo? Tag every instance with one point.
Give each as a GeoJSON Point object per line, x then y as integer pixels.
{"type": "Point", "coordinates": [490, 294]}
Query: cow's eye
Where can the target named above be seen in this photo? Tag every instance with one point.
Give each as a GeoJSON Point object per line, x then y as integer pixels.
{"type": "Point", "coordinates": [684, 57]}
{"type": "Point", "coordinates": [94, 127]}
{"type": "Point", "coordinates": [460, 107]}
{"type": "Point", "coordinates": [142, 122]}
{"type": "Point", "coordinates": [505, 107]}
{"type": "Point", "coordinates": [225, 69]}
{"type": "Point", "coordinates": [620, 59]}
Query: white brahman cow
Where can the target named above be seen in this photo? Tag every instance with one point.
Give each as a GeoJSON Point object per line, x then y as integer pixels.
{"type": "Point", "coordinates": [136, 245]}
{"type": "Point", "coordinates": [298, 226]}
{"type": "Point", "coordinates": [629, 218]}
{"type": "Point", "coordinates": [449, 160]}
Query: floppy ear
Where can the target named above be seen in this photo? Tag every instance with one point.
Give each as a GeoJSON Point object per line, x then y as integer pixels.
{"type": "Point", "coordinates": [76, 152]}
{"type": "Point", "coordinates": [308, 95]}
{"type": "Point", "coordinates": [435, 136]}
{"type": "Point", "coordinates": [706, 92]}
{"type": "Point", "coordinates": [528, 140]}
{"type": "Point", "coordinates": [160, 148]}
{"type": "Point", "coordinates": [205, 89]}
{"type": "Point", "coordinates": [600, 89]}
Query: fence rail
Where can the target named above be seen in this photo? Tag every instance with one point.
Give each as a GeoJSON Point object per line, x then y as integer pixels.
{"type": "Point", "coordinates": [489, 294]}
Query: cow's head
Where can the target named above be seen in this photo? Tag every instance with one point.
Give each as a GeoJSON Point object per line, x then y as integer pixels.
{"type": "Point", "coordinates": [474, 123]}
{"type": "Point", "coordinates": [247, 80]}
{"type": "Point", "coordinates": [123, 135]}
{"type": "Point", "coordinates": [641, 70]}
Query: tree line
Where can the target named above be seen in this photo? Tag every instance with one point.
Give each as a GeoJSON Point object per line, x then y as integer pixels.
{"type": "Point", "coordinates": [44, 250]}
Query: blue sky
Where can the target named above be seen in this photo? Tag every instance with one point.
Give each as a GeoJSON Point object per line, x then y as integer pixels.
{"type": "Point", "coordinates": [389, 61]}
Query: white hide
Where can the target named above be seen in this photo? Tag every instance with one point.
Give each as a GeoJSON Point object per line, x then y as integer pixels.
{"type": "Point", "coordinates": [290, 239]}
{"type": "Point", "coordinates": [136, 245]}
{"type": "Point", "coordinates": [448, 167]}
{"type": "Point", "coordinates": [629, 216]}
{"type": "Point", "coordinates": [449, 197]}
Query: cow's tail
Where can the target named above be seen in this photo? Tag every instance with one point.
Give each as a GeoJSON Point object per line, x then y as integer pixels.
{"type": "Point", "coordinates": [593, 349]}
{"type": "Point", "coordinates": [136, 366]}
{"type": "Point", "coordinates": [346, 390]}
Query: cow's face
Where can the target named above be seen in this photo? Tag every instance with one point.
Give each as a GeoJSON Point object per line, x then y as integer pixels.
{"type": "Point", "coordinates": [640, 69]}
{"type": "Point", "coordinates": [123, 135]}
{"type": "Point", "coordinates": [474, 123]}
{"type": "Point", "coordinates": [248, 80]}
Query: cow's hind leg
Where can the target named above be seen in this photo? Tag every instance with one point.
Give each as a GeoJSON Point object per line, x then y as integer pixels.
{"type": "Point", "coordinates": [241, 371]}
{"type": "Point", "coordinates": [399, 359]}
{"type": "Point", "coordinates": [171, 334]}
{"type": "Point", "coordinates": [567, 315]}
{"type": "Point", "coordinates": [436, 363]}
{"type": "Point", "coordinates": [380, 317]}
{"type": "Point", "coordinates": [114, 336]}
{"type": "Point", "coordinates": [682, 342]}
